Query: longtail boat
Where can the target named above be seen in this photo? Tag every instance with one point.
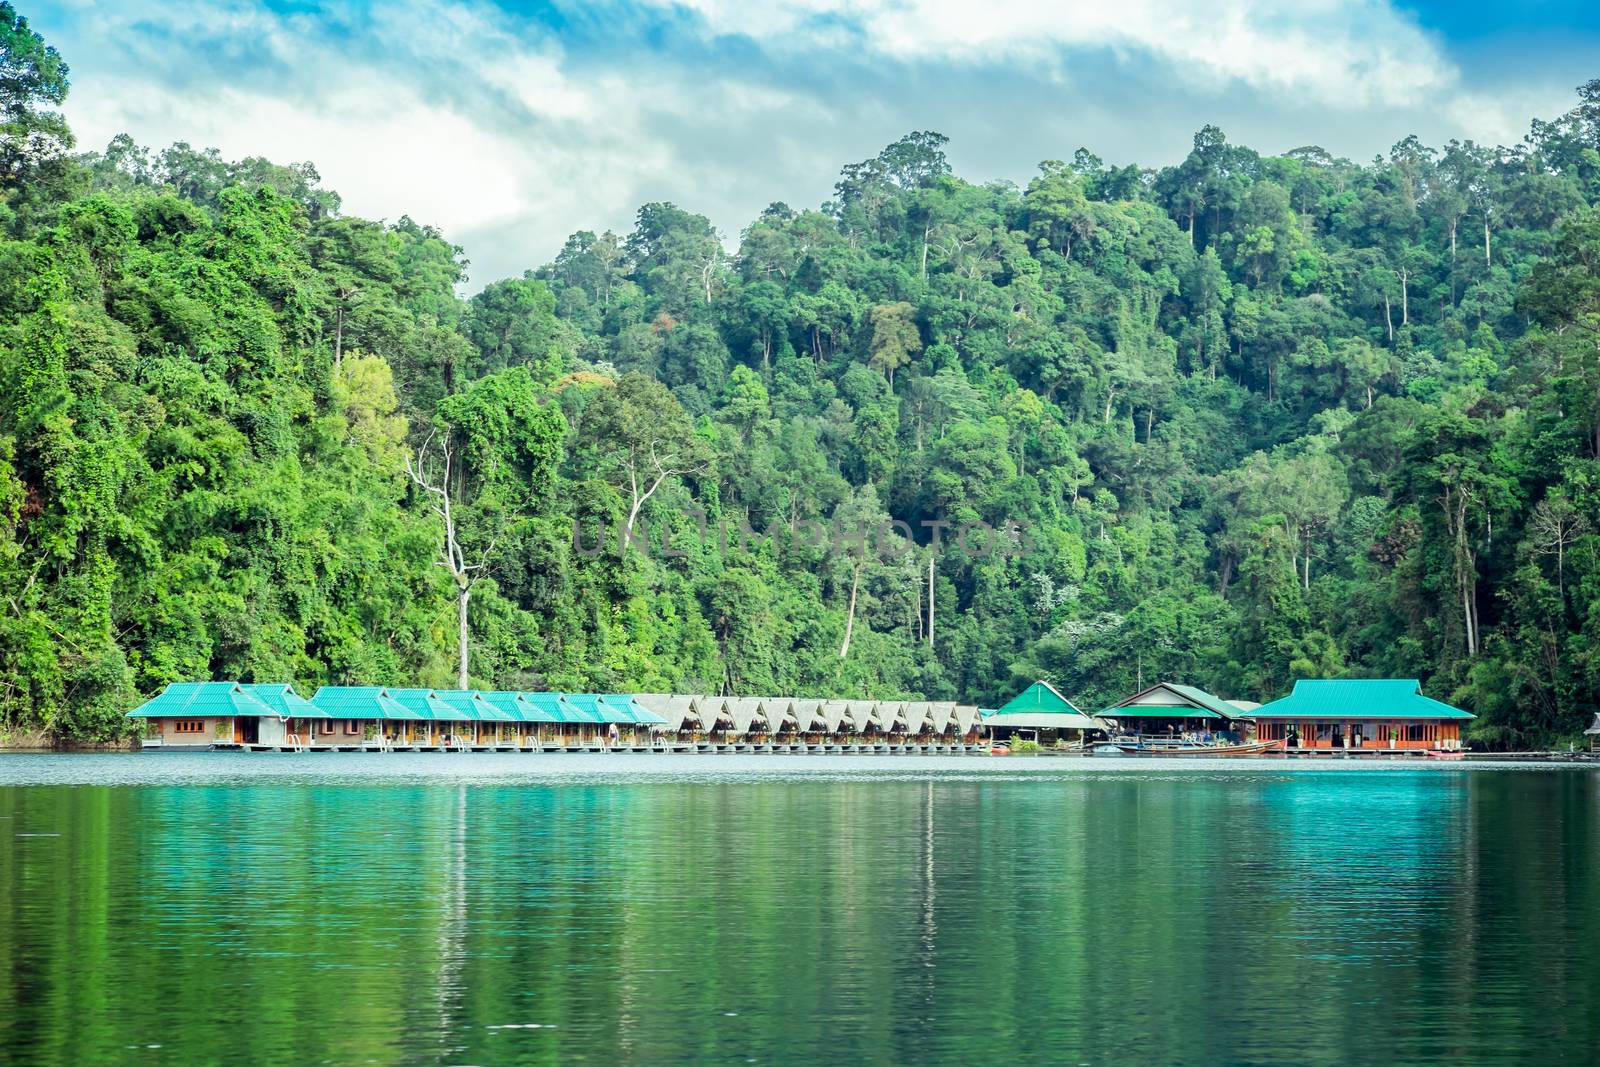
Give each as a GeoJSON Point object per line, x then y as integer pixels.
{"type": "Point", "coordinates": [1256, 748]}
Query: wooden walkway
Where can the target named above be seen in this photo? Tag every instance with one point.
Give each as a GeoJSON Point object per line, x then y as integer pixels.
{"type": "Point", "coordinates": [674, 748]}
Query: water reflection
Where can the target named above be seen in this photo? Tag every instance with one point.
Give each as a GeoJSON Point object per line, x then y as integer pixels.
{"type": "Point", "coordinates": [949, 915]}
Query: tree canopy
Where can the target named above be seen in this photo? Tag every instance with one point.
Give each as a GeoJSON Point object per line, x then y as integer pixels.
{"type": "Point", "coordinates": [1253, 416]}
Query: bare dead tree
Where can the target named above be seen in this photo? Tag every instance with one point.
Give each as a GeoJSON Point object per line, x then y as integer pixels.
{"type": "Point", "coordinates": [1555, 525]}
{"type": "Point", "coordinates": [452, 557]}
{"type": "Point", "coordinates": [653, 464]}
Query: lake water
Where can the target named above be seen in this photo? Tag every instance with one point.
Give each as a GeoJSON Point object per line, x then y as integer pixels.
{"type": "Point", "coordinates": [223, 908]}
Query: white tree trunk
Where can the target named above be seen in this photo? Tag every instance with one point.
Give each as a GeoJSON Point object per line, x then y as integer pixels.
{"type": "Point", "coordinates": [462, 596]}
{"type": "Point", "coordinates": [850, 618]}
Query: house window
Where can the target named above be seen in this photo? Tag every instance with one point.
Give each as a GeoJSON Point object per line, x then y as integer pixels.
{"type": "Point", "coordinates": [352, 726]}
{"type": "Point", "coordinates": [189, 726]}
{"type": "Point", "coordinates": [1415, 731]}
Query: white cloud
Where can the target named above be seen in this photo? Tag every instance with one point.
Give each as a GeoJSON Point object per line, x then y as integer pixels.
{"type": "Point", "coordinates": [507, 148]}
{"type": "Point", "coordinates": [1352, 54]}
{"type": "Point", "coordinates": [509, 138]}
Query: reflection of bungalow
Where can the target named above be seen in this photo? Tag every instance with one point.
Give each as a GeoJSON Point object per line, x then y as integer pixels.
{"type": "Point", "coordinates": [1362, 713]}
{"type": "Point", "coordinates": [1039, 713]}
{"type": "Point", "coordinates": [195, 715]}
{"type": "Point", "coordinates": [1165, 708]}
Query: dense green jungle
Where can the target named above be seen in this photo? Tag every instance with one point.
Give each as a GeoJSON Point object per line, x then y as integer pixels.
{"type": "Point", "coordinates": [1241, 419]}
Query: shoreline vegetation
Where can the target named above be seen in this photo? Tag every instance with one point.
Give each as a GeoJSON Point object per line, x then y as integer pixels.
{"type": "Point", "coordinates": [1263, 417]}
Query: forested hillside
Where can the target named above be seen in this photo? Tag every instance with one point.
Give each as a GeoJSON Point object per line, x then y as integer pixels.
{"type": "Point", "coordinates": [1260, 416]}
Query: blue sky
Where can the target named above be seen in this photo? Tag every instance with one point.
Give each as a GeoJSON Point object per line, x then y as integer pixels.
{"type": "Point", "coordinates": [511, 123]}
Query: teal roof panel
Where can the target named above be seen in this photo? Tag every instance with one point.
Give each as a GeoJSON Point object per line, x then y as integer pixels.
{"type": "Point", "coordinates": [459, 705]}
{"type": "Point", "coordinates": [224, 699]}
{"type": "Point", "coordinates": [585, 707]}
{"type": "Point", "coordinates": [1358, 698]}
{"type": "Point", "coordinates": [283, 700]}
{"type": "Point", "coordinates": [361, 702]}
{"type": "Point", "coordinates": [636, 712]}
{"type": "Point", "coordinates": [544, 707]}
{"type": "Point", "coordinates": [1040, 696]}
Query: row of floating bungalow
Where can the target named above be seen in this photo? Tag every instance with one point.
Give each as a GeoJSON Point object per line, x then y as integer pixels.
{"type": "Point", "coordinates": [1372, 715]}
{"type": "Point", "coordinates": [194, 715]}
{"type": "Point", "coordinates": [1345, 715]}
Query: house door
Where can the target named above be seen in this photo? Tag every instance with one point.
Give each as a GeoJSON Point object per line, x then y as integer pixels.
{"type": "Point", "coordinates": [249, 729]}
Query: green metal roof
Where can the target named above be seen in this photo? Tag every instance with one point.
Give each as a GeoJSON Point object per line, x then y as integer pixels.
{"type": "Point", "coordinates": [201, 698]}
{"type": "Point", "coordinates": [456, 704]}
{"type": "Point", "coordinates": [635, 711]}
{"type": "Point", "coordinates": [586, 707]}
{"type": "Point", "coordinates": [543, 707]}
{"type": "Point", "coordinates": [1208, 701]}
{"type": "Point", "coordinates": [379, 702]}
{"type": "Point", "coordinates": [1202, 705]}
{"type": "Point", "coordinates": [1358, 698]}
{"type": "Point", "coordinates": [283, 700]}
{"type": "Point", "coordinates": [362, 702]}
{"type": "Point", "coordinates": [510, 705]}
{"type": "Point", "coordinates": [490, 711]}
{"type": "Point", "coordinates": [419, 702]}
{"type": "Point", "coordinates": [1040, 696]}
